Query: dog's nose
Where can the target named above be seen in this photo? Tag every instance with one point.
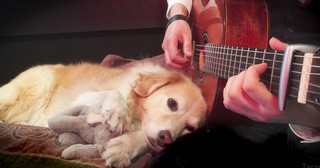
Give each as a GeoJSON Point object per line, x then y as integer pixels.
{"type": "Point", "coordinates": [164, 138]}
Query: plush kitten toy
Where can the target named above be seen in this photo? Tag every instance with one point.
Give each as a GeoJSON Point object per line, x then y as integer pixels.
{"type": "Point", "coordinates": [86, 130]}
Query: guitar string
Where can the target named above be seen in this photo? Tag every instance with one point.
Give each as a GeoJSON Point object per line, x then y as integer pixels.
{"type": "Point", "coordinates": [293, 88]}
{"type": "Point", "coordinates": [263, 60]}
{"type": "Point", "coordinates": [257, 58]}
{"type": "Point", "coordinates": [259, 51]}
{"type": "Point", "coordinates": [278, 70]}
{"type": "Point", "coordinates": [266, 81]}
{"type": "Point", "coordinates": [266, 75]}
{"type": "Point", "coordinates": [271, 54]}
{"type": "Point", "coordinates": [315, 67]}
{"type": "Point", "coordinates": [245, 49]}
{"type": "Point", "coordinates": [241, 56]}
{"type": "Point", "coordinates": [264, 52]}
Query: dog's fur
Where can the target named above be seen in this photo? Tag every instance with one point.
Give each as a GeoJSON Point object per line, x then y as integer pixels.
{"type": "Point", "coordinates": [165, 103]}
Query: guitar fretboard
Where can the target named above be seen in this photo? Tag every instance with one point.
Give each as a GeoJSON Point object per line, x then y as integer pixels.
{"type": "Point", "coordinates": [226, 61]}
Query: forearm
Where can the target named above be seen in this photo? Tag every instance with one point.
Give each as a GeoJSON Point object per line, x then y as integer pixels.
{"type": "Point", "coordinates": [179, 7]}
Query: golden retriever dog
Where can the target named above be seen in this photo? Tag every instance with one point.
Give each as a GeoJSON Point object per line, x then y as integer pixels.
{"type": "Point", "coordinates": [164, 103]}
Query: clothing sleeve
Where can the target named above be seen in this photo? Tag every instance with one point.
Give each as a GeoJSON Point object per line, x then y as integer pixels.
{"type": "Point", "coordinates": [186, 3]}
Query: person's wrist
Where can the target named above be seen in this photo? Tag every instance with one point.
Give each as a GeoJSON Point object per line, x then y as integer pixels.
{"type": "Point", "coordinates": [177, 17]}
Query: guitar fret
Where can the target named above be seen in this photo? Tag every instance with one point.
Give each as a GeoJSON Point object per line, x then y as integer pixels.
{"type": "Point", "coordinates": [216, 61]}
{"type": "Point", "coordinates": [272, 70]}
{"type": "Point", "coordinates": [227, 67]}
{"type": "Point", "coordinates": [212, 68]}
{"type": "Point", "coordinates": [223, 67]}
{"type": "Point", "coordinates": [225, 52]}
{"type": "Point", "coordinates": [239, 63]}
{"type": "Point", "coordinates": [264, 54]}
{"type": "Point", "coordinates": [234, 63]}
{"type": "Point", "coordinates": [220, 51]}
{"type": "Point", "coordinates": [224, 58]}
{"type": "Point", "coordinates": [254, 58]}
{"type": "Point", "coordinates": [230, 60]}
{"type": "Point", "coordinates": [226, 63]}
{"type": "Point", "coordinates": [246, 64]}
{"type": "Point", "coordinates": [240, 60]}
{"type": "Point", "coordinates": [209, 59]}
{"type": "Point", "coordinates": [222, 61]}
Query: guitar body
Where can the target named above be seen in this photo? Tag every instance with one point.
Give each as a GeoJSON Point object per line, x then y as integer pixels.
{"type": "Point", "coordinates": [243, 23]}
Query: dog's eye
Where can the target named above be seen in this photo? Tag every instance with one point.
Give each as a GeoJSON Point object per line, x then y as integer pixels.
{"type": "Point", "coordinates": [190, 128]}
{"type": "Point", "coordinates": [172, 104]}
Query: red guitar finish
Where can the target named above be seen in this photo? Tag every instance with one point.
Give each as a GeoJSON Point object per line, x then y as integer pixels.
{"type": "Point", "coordinates": [243, 23]}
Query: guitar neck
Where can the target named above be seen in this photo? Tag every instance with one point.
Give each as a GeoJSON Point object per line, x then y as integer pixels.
{"type": "Point", "coordinates": [301, 81]}
{"type": "Point", "coordinates": [226, 61]}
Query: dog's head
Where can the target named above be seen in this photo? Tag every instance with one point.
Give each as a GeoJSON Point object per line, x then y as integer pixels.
{"type": "Point", "coordinates": [169, 105]}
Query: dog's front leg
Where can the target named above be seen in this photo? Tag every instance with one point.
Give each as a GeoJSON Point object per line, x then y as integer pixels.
{"type": "Point", "coordinates": [120, 151]}
{"type": "Point", "coordinates": [107, 107]}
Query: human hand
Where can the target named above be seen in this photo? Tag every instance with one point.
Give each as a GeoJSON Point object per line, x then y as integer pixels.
{"type": "Point", "coordinates": [177, 45]}
{"type": "Point", "coordinates": [246, 95]}
{"type": "Point", "coordinates": [276, 44]}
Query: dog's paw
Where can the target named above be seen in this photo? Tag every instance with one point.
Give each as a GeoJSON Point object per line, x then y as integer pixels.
{"type": "Point", "coordinates": [111, 109]}
{"type": "Point", "coordinates": [116, 113]}
{"type": "Point", "coordinates": [117, 153]}
{"type": "Point", "coordinates": [120, 151]}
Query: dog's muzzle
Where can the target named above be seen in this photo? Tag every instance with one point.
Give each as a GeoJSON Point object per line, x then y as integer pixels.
{"type": "Point", "coordinates": [164, 138]}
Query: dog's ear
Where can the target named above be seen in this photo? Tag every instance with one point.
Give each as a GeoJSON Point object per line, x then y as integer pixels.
{"type": "Point", "coordinates": [149, 83]}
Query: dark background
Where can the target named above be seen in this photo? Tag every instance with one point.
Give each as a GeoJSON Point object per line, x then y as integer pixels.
{"type": "Point", "coordinates": [36, 32]}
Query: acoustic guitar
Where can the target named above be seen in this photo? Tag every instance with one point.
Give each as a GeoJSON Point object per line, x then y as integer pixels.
{"type": "Point", "coordinates": [230, 36]}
